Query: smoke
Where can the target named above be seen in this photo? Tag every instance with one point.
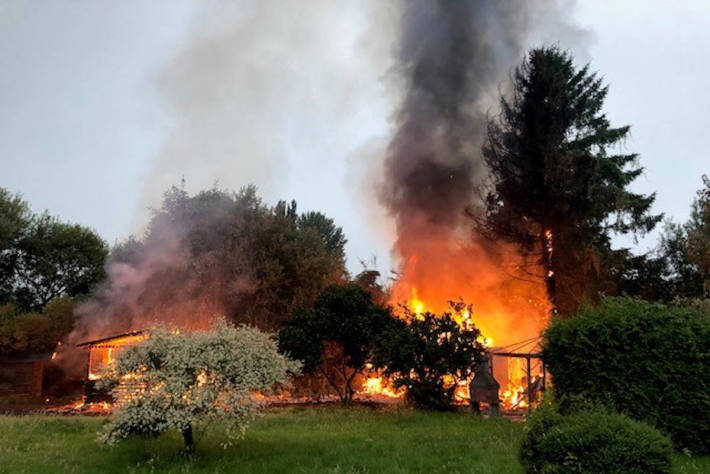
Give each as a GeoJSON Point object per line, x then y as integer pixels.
{"type": "Point", "coordinates": [271, 94]}
{"type": "Point", "coordinates": [175, 274]}
{"type": "Point", "coordinates": [274, 95]}
{"type": "Point", "coordinates": [452, 61]}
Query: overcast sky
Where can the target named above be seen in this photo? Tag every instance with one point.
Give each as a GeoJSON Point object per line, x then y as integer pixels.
{"type": "Point", "coordinates": [106, 103]}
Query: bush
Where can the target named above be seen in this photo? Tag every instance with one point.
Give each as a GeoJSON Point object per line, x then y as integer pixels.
{"type": "Point", "coordinates": [647, 360]}
{"type": "Point", "coordinates": [335, 338]}
{"type": "Point", "coordinates": [429, 354]}
{"type": "Point", "coordinates": [593, 440]}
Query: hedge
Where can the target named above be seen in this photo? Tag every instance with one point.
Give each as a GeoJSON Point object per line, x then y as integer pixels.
{"type": "Point", "coordinates": [647, 360]}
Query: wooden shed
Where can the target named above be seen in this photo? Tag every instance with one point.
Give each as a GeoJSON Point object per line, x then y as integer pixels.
{"type": "Point", "coordinates": [102, 353]}
{"type": "Point", "coordinates": [22, 374]}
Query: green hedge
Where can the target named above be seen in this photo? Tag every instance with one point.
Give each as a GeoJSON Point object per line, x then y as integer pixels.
{"type": "Point", "coordinates": [592, 441]}
{"type": "Point", "coordinates": [647, 360]}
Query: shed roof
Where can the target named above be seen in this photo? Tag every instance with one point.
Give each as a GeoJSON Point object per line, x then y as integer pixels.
{"type": "Point", "coordinates": [25, 356]}
{"type": "Point", "coordinates": [108, 339]}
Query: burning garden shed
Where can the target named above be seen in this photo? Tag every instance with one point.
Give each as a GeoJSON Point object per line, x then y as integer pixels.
{"type": "Point", "coordinates": [102, 353]}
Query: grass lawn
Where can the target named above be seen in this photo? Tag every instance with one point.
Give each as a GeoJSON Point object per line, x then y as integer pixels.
{"type": "Point", "coordinates": [286, 440]}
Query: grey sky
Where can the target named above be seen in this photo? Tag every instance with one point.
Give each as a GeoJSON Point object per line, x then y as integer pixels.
{"type": "Point", "coordinates": [106, 103]}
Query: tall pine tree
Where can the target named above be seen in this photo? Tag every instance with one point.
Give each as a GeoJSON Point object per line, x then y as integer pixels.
{"type": "Point", "coordinates": [559, 185]}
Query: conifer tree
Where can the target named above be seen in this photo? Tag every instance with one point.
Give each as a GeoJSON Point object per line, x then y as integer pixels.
{"type": "Point", "coordinates": [559, 181]}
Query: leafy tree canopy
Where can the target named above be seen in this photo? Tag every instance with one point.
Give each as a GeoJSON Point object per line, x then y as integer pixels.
{"type": "Point", "coordinates": [429, 354]}
{"type": "Point", "coordinates": [686, 248]}
{"type": "Point", "coordinates": [42, 258]}
{"type": "Point", "coordinates": [219, 251]}
{"type": "Point", "coordinates": [679, 267]}
{"type": "Point", "coordinates": [35, 331]}
{"type": "Point", "coordinates": [336, 337]}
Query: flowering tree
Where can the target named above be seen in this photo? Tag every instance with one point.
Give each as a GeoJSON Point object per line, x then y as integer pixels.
{"type": "Point", "coordinates": [174, 380]}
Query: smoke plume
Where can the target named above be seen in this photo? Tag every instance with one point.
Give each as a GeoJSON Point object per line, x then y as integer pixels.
{"type": "Point", "coordinates": [452, 61]}
{"type": "Point", "coordinates": [255, 81]}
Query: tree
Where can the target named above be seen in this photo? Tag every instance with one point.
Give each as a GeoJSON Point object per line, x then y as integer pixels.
{"type": "Point", "coordinates": [55, 259]}
{"type": "Point", "coordinates": [42, 258]}
{"type": "Point", "coordinates": [336, 337]}
{"type": "Point", "coordinates": [221, 252]}
{"type": "Point", "coordinates": [15, 217]}
{"type": "Point", "coordinates": [332, 235]}
{"type": "Point", "coordinates": [184, 379]}
{"type": "Point", "coordinates": [558, 188]}
{"type": "Point", "coordinates": [680, 265]}
{"type": "Point", "coordinates": [687, 248]}
{"type": "Point", "coordinates": [697, 230]}
{"type": "Point", "coordinates": [646, 276]}
{"type": "Point", "coordinates": [429, 354]}
{"type": "Point", "coordinates": [35, 331]}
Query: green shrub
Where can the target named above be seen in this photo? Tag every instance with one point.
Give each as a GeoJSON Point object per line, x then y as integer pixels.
{"type": "Point", "coordinates": [593, 440]}
{"type": "Point", "coordinates": [649, 361]}
{"type": "Point", "coordinates": [429, 354]}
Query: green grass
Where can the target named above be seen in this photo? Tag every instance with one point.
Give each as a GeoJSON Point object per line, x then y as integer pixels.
{"type": "Point", "coordinates": [293, 440]}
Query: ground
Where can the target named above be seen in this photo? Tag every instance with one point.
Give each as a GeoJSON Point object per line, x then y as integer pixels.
{"type": "Point", "coordinates": [284, 440]}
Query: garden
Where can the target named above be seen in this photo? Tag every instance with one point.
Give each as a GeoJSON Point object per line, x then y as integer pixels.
{"type": "Point", "coordinates": [513, 333]}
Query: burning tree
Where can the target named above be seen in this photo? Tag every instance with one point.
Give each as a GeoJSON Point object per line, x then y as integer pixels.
{"type": "Point", "coordinates": [180, 379]}
{"type": "Point", "coordinates": [559, 182]}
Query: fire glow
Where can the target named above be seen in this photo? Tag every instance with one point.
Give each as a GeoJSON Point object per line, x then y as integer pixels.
{"type": "Point", "coordinates": [506, 308]}
{"type": "Point", "coordinates": [512, 372]}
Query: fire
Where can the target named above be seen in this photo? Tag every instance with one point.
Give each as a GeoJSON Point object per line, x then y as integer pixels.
{"type": "Point", "coordinates": [102, 355]}
{"type": "Point", "coordinates": [379, 386]}
{"type": "Point", "coordinates": [495, 317]}
{"type": "Point", "coordinates": [415, 304]}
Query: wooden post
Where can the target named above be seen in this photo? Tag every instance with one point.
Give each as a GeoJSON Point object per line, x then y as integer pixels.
{"type": "Point", "coordinates": [529, 387]}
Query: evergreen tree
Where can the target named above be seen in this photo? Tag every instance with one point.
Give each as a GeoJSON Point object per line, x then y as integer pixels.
{"type": "Point", "coordinates": [559, 186]}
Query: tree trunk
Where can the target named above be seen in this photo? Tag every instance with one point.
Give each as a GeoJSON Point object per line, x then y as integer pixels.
{"type": "Point", "coordinates": [189, 439]}
{"type": "Point", "coordinates": [547, 260]}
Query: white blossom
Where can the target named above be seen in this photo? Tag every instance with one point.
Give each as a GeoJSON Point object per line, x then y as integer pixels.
{"type": "Point", "coordinates": [176, 380]}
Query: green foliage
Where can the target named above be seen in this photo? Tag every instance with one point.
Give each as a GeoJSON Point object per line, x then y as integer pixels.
{"type": "Point", "coordinates": [336, 337]}
{"type": "Point", "coordinates": [685, 250]}
{"type": "Point", "coordinates": [429, 353]}
{"type": "Point", "coordinates": [646, 360]}
{"type": "Point", "coordinates": [55, 259]}
{"type": "Point", "coordinates": [332, 235]}
{"type": "Point", "coordinates": [177, 380]}
{"type": "Point", "coordinates": [15, 216]}
{"type": "Point", "coordinates": [35, 331]}
{"type": "Point", "coordinates": [42, 258]}
{"type": "Point", "coordinates": [218, 251]}
{"type": "Point", "coordinates": [556, 178]}
{"type": "Point", "coordinates": [592, 440]}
